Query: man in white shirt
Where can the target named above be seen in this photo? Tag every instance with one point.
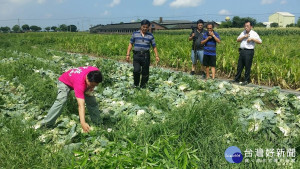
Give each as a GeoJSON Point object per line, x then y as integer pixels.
{"type": "Point", "coordinates": [248, 38]}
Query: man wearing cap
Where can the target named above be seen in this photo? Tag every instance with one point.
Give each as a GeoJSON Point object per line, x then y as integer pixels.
{"type": "Point", "coordinates": [141, 40]}
{"type": "Point", "coordinates": [197, 48]}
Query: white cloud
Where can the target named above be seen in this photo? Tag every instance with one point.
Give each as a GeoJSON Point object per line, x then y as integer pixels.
{"type": "Point", "coordinates": [41, 1]}
{"type": "Point", "coordinates": [15, 2]}
{"type": "Point", "coordinates": [10, 7]}
{"type": "Point", "coordinates": [267, 1]}
{"type": "Point", "coordinates": [158, 2]}
{"type": "Point", "coordinates": [5, 10]}
{"type": "Point", "coordinates": [283, 2]}
{"type": "Point", "coordinates": [114, 3]}
{"type": "Point", "coordinates": [49, 15]}
{"type": "Point", "coordinates": [105, 13]}
{"type": "Point", "coordinates": [185, 3]}
{"type": "Point", "coordinates": [21, 2]}
{"type": "Point", "coordinates": [224, 12]}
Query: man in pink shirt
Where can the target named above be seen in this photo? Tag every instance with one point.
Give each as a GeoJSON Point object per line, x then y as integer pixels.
{"type": "Point", "coordinates": [82, 80]}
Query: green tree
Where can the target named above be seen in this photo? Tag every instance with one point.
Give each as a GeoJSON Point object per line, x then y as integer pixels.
{"type": "Point", "coordinates": [35, 28]}
{"type": "Point", "coordinates": [298, 22]}
{"type": "Point", "coordinates": [72, 28]}
{"type": "Point", "coordinates": [47, 28]}
{"type": "Point", "coordinates": [291, 25]}
{"type": "Point", "coordinates": [63, 27]}
{"type": "Point", "coordinates": [260, 24]}
{"type": "Point", "coordinates": [226, 24]}
{"type": "Point", "coordinates": [5, 29]}
{"type": "Point", "coordinates": [274, 25]}
{"type": "Point", "coordinates": [54, 28]}
{"type": "Point", "coordinates": [238, 22]}
{"type": "Point", "coordinates": [25, 27]}
{"type": "Point", "coordinates": [16, 28]}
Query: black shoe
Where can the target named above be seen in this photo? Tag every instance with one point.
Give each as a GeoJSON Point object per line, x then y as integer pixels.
{"type": "Point", "coordinates": [234, 81]}
{"type": "Point", "coordinates": [46, 126]}
{"type": "Point", "coordinates": [134, 87]}
{"type": "Point", "coordinates": [143, 86]}
{"type": "Point", "coordinates": [245, 83]}
{"type": "Point", "coordinates": [192, 72]}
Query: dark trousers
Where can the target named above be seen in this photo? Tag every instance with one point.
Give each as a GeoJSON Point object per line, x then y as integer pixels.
{"type": "Point", "coordinates": [245, 60]}
{"type": "Point", "coordinates": [141, 63]}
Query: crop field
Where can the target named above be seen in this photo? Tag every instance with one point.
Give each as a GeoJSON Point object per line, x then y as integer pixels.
{"type": "Point", "coordinates": [178, 121]}
{"type": "Point", "coordinates": [276, 61]}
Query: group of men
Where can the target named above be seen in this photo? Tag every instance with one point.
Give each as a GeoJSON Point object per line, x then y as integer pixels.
{"type": "Point", "coordinates": [83, 80]}
{"type": "Point", "coordinates": [204, 50]}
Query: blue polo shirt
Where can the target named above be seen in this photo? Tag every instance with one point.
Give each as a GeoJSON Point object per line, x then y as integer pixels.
{"type": "Point", "coordinates": [210, 45]}
{"type": "Point", "coordinates": [142, 43]}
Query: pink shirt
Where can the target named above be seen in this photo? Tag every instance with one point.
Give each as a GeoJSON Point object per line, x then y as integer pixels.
{"type": "Point", "coordinates": [75, 78]}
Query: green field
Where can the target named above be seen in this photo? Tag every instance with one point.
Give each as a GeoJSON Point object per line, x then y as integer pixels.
{"type": "Point", "coordinates": [276, 61]}
{"type": "Point", "coordinates": [178, 121]}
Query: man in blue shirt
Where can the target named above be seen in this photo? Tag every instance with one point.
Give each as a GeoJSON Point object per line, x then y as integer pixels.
{"type": "Point", "coordinates": [141, 40]}
{"type": "Point", "coordinates": [211, 38]}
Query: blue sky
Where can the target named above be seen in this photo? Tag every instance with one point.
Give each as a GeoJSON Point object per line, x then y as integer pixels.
{"type": "Point", "coordinates": [86, 13]}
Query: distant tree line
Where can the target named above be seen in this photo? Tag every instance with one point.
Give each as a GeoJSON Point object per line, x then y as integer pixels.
{"type": "Point", "coordinates": [238, 22]}
{"type": "Point", "coordinates": [34, 28]}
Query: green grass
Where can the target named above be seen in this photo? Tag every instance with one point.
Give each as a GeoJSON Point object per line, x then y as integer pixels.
{"type": "Point", "coordinates": [276, 61]}
{"type": "Point", "coordinates": [194, 135]}
{"type": "Point", "coordinates": [20, 147]}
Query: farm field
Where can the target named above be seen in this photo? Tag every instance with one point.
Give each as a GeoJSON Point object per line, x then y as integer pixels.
{"type": "Point", "coordinates": [178, 121]}
{"type": "Point", "coordinates": [276, 61]}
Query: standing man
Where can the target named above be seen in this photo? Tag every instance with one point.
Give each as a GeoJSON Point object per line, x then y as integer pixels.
{"type": "Point", "coordinates": [83, 81]}
{"type": "Point", "coordinates": [197, 48]}
{"type": "Point", "coordinates": [248, 38]}
{"type": "Point", "coordinates": [141, 40]}
{"type": "Point", "coordinates": [211, 38]}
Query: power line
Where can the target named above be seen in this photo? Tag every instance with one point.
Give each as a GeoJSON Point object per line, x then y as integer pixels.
{"type": "Point", "coordinates": [107, 18]}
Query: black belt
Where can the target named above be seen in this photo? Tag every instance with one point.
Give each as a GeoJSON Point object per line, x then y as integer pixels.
{"type": "Point", "coordinates": [141, 52]}
{"type": "Point", "coordinates": [245, 49]}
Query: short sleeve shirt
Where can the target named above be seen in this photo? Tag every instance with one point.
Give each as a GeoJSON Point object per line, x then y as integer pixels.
{"type": "Point", "coordinates": [142, 43]}
{"type": "Point", "coordinates": [248, 45]}
{"type": "Point", "coordinates": [197, 40]}
{"type": "Point", "coordinates": [76, 79]}
{"type": "Point", "coordinates": [210, 45]}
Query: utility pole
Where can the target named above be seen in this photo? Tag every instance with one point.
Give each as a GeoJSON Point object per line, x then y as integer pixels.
{"type": "Point", "coordinates": [78, 25]}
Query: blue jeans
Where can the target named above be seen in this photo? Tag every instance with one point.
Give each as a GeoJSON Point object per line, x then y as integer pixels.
{"type": "Point", "coordinates": [199, 56]}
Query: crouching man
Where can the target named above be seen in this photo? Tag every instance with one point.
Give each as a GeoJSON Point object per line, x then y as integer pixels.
{"type": "Point", "coordinates": [82, 80]}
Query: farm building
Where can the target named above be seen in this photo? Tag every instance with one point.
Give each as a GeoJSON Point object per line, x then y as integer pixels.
{"type": "Point", "coordinates": [282, 18]}
{"type": "Point", "coordinates": [124, 27]}
{"type": "Point", "coordinates": [155, 25]}
{"type": "Point", "coordinates": [179, 24]}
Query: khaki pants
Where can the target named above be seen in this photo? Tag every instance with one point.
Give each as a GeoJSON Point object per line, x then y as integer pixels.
{"type": "Point", "coordinates": [62, 96]}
